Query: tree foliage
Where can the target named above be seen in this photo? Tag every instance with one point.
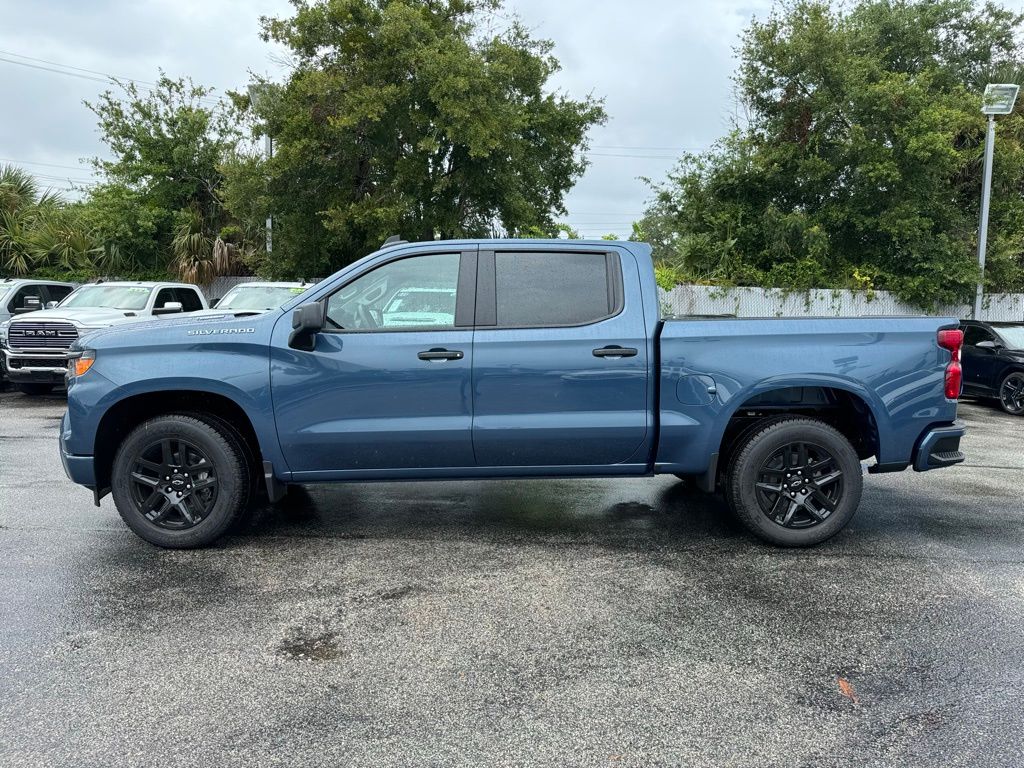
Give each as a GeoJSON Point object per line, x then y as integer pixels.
{"type": "Point", "coordinates": [160, 204]}
{"type": "Point", "coordinates": [860, 162]}
{"type": "Point", "coordinates": [407, 116]}
{"type": "Point", "coordinates": [41, 233]}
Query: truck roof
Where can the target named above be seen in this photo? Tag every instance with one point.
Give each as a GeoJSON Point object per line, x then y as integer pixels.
{"type": "Point", "coordinates": [9, 281]}
{"type": "Point", "coordinates": [144, 284]}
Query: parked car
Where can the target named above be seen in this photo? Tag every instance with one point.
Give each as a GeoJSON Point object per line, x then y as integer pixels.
{"type": "Point", "coordinates": [256, 297]}
{"type": "Point", "coordinates": [555, 363]}
{"type": "Point", "coordinates": [36, 352]}
{"type": "Point", "coordinates": [994, 362]}
{"type": "Point", "coordinates": [18, 297]}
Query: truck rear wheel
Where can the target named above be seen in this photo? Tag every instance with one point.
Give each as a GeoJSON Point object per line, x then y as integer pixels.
{"type": "Point", "coordinates": [180, 482]}
{"type": "Point", "coordinates": [795, 482]}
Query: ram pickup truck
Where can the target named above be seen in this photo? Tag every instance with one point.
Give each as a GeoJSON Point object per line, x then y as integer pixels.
{"type": "Point", "coordinates": [21, 296]}
{"type": "Point", "coordinates": [552, 361]}
{"type": "Point", "coordinates": [36, 348]}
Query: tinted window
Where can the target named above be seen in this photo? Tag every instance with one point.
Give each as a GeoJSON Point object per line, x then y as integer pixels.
{"type": "Point", "coordinates": [165, 297]}
{"type": "Point", "coordinates": [189, 300]}
{"type": "Point", "coordinates": [31, 296]}
{"type": "Point", "coordinates": [58, 292]}
{"type": "Point", "coordinates": [975, 333]}
{"type": "Point", "coordinates": [418, 292]}
{"type": "Point", "coordinates": [552, 288]}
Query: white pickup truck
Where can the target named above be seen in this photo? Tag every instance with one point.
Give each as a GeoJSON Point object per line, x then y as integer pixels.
{"type": "Point", "coordinates": [36, 346]}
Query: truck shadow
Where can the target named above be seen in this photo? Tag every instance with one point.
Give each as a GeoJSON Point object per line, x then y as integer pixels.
{"type": "Point", "coordinates": [636, 512]}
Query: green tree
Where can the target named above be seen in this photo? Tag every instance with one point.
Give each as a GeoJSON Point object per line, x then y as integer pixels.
{"type": "Point", "coordinates": [40, 233]}
{"type": "Point", "coordinates": [411, 117]}
{"type": "Point", "coordinates": [859, 164]}
{"type": "Point", "coordinates": [160, 205]}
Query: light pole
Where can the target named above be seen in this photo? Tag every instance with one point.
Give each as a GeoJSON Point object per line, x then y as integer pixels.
{"type": "Point", "coordinates": [258, 93]}
{"type": "Point", "coordinates": [999, 99]}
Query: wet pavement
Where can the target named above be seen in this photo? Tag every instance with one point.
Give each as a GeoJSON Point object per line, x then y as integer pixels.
{"type": "Point", "coordinates": [605, 623]}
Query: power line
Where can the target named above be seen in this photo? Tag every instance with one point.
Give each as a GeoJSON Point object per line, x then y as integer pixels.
{"type": "Point", "coordinates": [624, 146]}
{"type": "Point", "coordinates": [87, 74]}
{"type": "Point", "coordinates": [634, 156]}
{"type": "Point", "coordinates": [36, 162]}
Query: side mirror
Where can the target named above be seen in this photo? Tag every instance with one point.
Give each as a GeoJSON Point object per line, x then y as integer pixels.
{"type": "Point", "coordinates": [51, 304]}
{"type": "Point", "coordinates": [169, 308]}
{"type": "Point", "coordinates": [307, 322]}
{"type": "Point", "coordinates": [987, 345]}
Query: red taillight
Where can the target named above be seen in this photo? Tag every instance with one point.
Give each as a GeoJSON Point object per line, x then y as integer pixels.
{"type": "Point", "coordinates": [954, 379]}
{"type": "Point", "coordinates": [953, 339]}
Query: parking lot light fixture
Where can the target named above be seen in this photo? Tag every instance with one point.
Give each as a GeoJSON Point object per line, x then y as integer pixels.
{"type": "Point", "coordinates": [999, 99]}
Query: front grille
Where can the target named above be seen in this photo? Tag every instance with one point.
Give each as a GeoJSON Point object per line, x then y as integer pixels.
{"type": "Point", "coordinates": [37, 362]}
{"type": "Point", "coordinates": [41, 335]}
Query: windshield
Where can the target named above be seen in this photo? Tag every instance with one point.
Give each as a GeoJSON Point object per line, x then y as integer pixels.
{"type": "Point", "coordinates": [107, 297]}
{"type": "Point", "coordinates": [1013, 335]}
{"type": "Point", "coordinates": [258, 297]}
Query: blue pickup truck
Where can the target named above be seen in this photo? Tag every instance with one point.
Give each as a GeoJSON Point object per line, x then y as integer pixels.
{"type": "Point", "coordinates": [499, 359]}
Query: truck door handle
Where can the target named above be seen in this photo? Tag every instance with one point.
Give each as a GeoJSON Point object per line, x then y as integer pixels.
{"type": "Point", "coordinates": [613, 351]}
{"type": "Point", "coordinates": [440, 354]}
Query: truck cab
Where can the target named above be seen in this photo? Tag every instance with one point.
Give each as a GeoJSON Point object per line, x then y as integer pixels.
{"type": "Point", "coordinates": [36, 346]}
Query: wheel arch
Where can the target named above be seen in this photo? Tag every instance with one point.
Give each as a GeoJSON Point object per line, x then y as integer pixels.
{"type": "Point", "coordinates": [846, 406]}
{"type": "Point", "coordinates": [127, 413]}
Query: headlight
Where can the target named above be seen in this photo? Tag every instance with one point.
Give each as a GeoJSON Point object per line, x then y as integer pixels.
{"type": "Point", "coordinates": [81, 362]}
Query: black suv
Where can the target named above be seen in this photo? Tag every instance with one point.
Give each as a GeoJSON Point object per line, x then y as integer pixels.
{"type": "Point", "coordinates": [993, 361]}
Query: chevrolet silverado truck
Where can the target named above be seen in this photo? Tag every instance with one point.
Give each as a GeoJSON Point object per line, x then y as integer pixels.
{"type": "Point", "coordinates": [552, 360]}
{"type": "Point", "coordinates": [36, 346]}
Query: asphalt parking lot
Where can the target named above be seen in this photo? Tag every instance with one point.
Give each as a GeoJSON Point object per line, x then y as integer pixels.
{"type": "Point", "coordinates": [618, 623]}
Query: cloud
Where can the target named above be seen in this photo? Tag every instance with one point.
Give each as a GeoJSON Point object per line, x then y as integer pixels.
{"type": "Point", "coordinates": [663, 68]}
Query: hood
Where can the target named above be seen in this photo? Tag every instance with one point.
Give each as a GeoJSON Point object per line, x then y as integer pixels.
{"type": "Point", "coordinates": [174, 328]}
{"type": "Point", "coordinates": [83, 318]}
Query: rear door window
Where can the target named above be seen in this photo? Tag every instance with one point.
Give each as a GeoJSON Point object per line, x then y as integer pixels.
{"type": "Point", "coordinates": [189, 299]}
{"type": "Point", "coordinates": [58, 292]}
{"type": "Point", "coordinates": [554, 289]}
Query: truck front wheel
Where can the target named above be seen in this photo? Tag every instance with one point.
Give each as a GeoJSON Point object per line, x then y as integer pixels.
{"type": "Point", "coordinates": [795, 482]}
{"type": "Point", "coordinates": [179, 481]}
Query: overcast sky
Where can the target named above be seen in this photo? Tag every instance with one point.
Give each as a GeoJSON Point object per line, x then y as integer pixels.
{"type": "Point", "coordinates": [662, 66]}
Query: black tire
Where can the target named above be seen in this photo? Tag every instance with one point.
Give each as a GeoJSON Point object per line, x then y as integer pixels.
{"type": "Point", "coordinates": [35, 390]}
{"type": "Point", "coordinates": [1011, 393]}
{"type": "Point", "coordinates": [183, 517]}
{"type": "Point", "coordinates": [818, 485]}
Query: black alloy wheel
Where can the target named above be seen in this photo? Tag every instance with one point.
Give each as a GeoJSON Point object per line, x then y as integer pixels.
{"type": "Point", "coordinates": [1011, 393]}
{"type": "Point", "coordinates": [793, 481]}
{"type": "Point", "coordinates": [799, 485]}
{"type": "Point", "coordinates": [182, 480]}
{"type": "Point", "coordinates": [173, 484]}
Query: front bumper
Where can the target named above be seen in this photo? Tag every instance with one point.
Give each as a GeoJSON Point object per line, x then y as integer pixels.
{"type": "Point", "coordinates": [939, 447]}
{"type": "Point", "coordinates": [80, 469]}
{"type": "Point", "coordinates": [35, 367]}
